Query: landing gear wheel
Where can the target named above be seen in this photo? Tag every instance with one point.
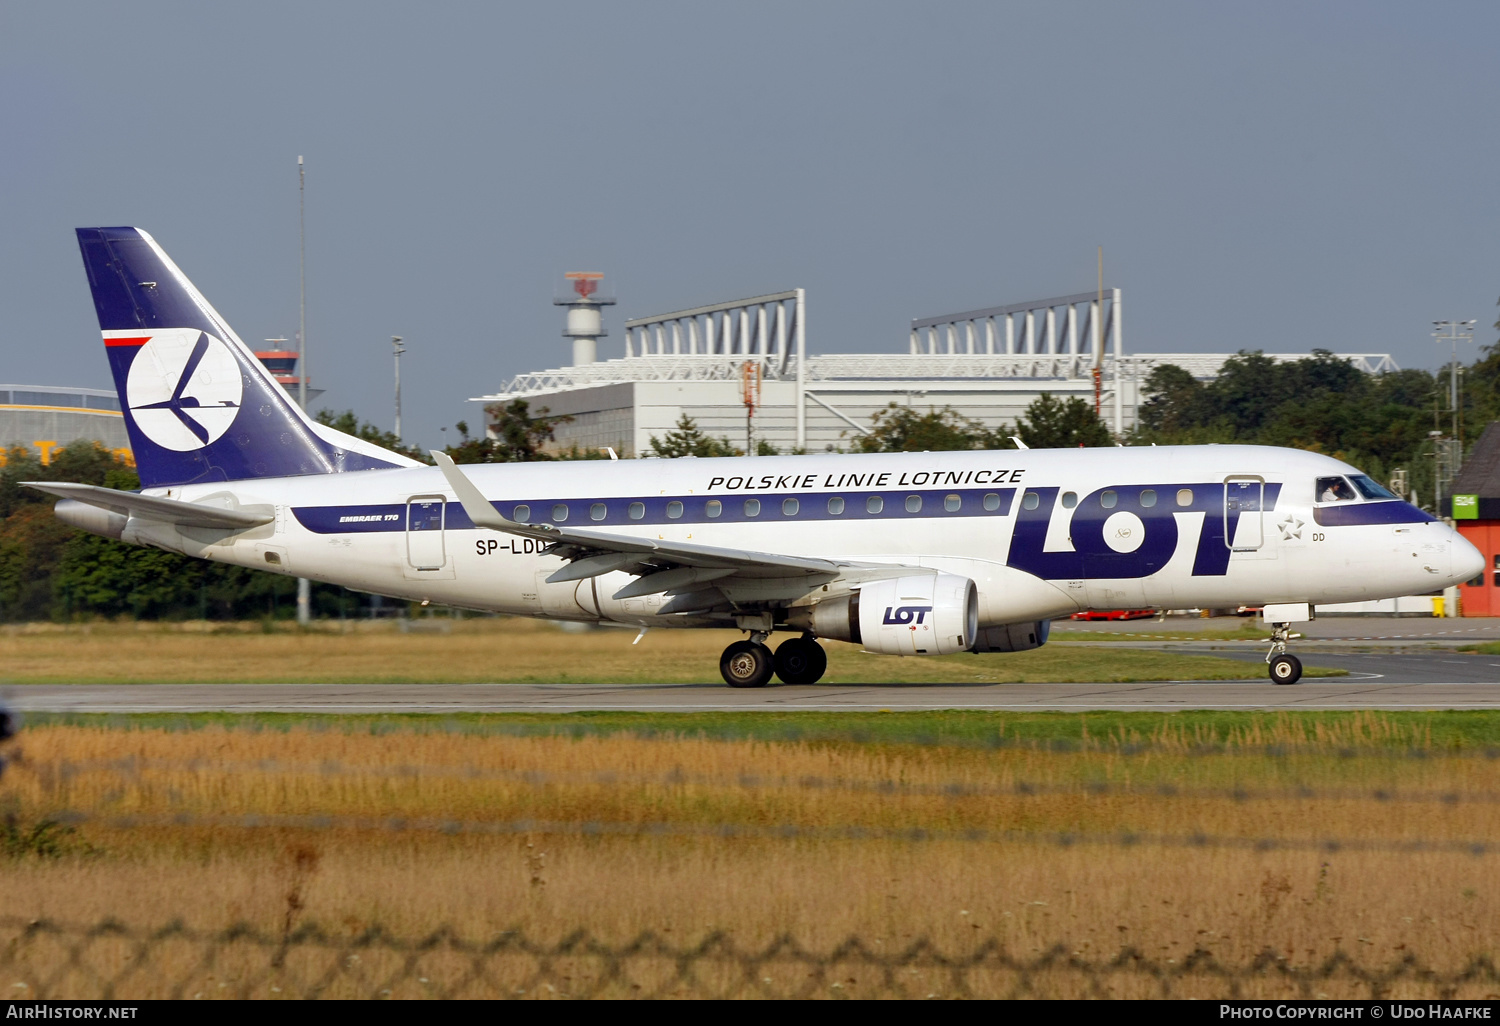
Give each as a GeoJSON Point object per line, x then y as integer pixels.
{"type": "Point", "coordinates": [800, 661]}
{"type": "Point", "coordinates": [746, 664]}
{"type": "Point", "coordinates": [1286, 669]}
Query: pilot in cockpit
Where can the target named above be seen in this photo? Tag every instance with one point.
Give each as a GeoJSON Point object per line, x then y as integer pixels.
{"type": "Point", "coordinates": [1335, 489]}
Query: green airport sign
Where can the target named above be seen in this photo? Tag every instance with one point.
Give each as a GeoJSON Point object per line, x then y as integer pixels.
{"type": "Point", "coordinates": [1466, 507]}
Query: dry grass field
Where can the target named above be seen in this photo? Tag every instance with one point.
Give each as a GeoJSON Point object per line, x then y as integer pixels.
{"type": "Point", "coordinates": [497, 650]}
{"type": "Point", "coordinates": [1170, 849]}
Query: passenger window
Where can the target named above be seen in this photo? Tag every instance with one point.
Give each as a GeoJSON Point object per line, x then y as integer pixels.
{"type": "Point", "coordinates": [913, 504]}
{"type": "Point", "coordinates": [1148, 498]}
{"type": "Point", "coordinates": [597, 511]}
{"type": "Point", "coordinates": [521, 514]}
{"type": "Point", "coordinates": [952, 503]}
{"type": "Point", "coordinates": [752, 507]}
{"type": "Point", "coordinates": [1069, 500]}
{"type": "Point", "coordinates": [713, 508]}
{"type": "Point", "coordinates": [560, 512]}
{"type": "Point", "coordinates": [1108, 498]}
{"type": "Point", "coordinates": [874, 504]}
{"type": "Point", "coordinates": [991, 501]}
{"type": "Point", "coordinates": [789, 507]}
{"type": "Point", "coordinates": [835, 505]}
{"type": "Point", "coordinates": [1031, 500]}
{"type": "Point", "coordinates": [1184, 496]}
{"type": "Point", "coordinates": [637, 510]}
{"type": "Point", "coordinates": [674, 510]}
{"type": "Point", "coordinates": [1335, 489]}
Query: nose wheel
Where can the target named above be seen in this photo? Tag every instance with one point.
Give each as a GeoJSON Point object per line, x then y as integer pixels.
{"type": "Point", "coordinates": [1285, 667]}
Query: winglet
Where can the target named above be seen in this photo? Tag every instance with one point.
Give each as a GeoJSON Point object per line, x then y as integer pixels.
{"type": "Point", "coordinates": [470, 497]}
{"type": "Point", "coordinates": [1019, 444]}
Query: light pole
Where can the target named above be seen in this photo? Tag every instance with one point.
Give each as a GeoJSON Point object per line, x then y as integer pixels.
{"type": "Point", "coordinates": [1452, 451]}
{"type": "Point", "coordinates": [304, 586]}
{"type": "Point", "coordinates": [1454, 332]}
{"type": "Point", "coordinates": [396, 348]}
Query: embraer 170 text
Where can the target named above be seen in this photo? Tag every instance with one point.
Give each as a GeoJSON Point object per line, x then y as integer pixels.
{"type": "Point", "coordinates": [905, 553]}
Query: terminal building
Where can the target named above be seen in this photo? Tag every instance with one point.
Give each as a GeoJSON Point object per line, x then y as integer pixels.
{"type": "Point", "coordinates": [743, 370]}
{"type": "Point", "coordinates": [47, 417]}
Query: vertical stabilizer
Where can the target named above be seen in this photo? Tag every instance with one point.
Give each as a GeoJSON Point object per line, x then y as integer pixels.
{"type": "Point", "coordinates": [198, 404]}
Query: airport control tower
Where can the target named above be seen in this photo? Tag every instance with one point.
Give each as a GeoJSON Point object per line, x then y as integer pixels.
{"type": "Point", "coordinates": [585, 321]}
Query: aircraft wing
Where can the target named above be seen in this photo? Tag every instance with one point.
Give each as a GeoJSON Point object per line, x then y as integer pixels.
{"type": "Point", "coordinates": [665, 565]}
{"type": "Point", "coordinates": [170, 511]}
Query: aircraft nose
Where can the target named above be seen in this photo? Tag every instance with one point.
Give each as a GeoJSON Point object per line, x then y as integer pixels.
{"type": "Point", "coordinates": [1468, 561]}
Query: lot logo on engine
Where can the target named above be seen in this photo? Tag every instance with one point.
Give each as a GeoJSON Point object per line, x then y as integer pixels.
{"type": "Point", "coordinates": [905, 614]}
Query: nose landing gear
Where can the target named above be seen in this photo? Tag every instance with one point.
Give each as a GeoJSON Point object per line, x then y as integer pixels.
{"type": "Point", "coordinates": [1285, 667]}
{"type": "Point", "coordinates": [750, 664]}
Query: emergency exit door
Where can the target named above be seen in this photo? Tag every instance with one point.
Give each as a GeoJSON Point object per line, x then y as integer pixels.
{"type": "Point", "coordinates": [1243, 531]}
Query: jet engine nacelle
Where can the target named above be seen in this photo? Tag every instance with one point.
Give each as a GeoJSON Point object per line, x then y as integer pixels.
{"type": "Point", "coordinates": [931, 614]}
{"type": "Point", "coordinates": [1013, 637]}
{"type": "Point", "coordinates": [92, 519]}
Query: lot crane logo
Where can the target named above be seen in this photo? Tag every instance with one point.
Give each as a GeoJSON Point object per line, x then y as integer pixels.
{"type": "Point", "coordinates": [184, 389]}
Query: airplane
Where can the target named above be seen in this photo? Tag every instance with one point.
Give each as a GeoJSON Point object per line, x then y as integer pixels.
{"type": "Point", "coordinates": [906, 554]}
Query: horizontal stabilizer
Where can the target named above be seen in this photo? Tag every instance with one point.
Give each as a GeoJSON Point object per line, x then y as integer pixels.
{"type": "Point", "coordinates": [146, 507]}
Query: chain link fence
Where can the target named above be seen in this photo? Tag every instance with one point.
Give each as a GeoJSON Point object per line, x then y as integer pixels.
{"type": "Point", "coordinates": [111, 960]}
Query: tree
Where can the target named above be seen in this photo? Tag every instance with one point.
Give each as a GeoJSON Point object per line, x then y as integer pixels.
{"type": "Point", "coordinates": [1050, 423]}
{"type": "Point", "coordinates": [1174, 399]}
{"type": "Point", "coordinates": [349, 424]}
{"type": "Point", "coordinates": [688, 440]}
{"type": "Point", "coordinates": [903, 429]}
{"type": "Point", "coordinates": [514, 435]}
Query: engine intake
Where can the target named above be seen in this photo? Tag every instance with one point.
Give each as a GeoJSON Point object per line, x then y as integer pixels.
{"type": "Point", "coordinates": [932, 614]}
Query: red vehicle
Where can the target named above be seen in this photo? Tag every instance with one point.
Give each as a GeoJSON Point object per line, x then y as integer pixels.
{"type": "Point", "coordinates": [1115, 614]}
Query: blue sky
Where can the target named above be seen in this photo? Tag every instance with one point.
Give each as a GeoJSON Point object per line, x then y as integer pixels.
{"type": "Point", "coordinates": [1270, 175]}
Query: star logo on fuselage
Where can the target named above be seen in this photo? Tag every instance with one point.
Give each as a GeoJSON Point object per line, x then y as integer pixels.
{"type": "Point", "coordinates": [1291, 527]}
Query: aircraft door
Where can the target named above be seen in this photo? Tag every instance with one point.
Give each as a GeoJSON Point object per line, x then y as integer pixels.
{"type": "Point", "coordinates": [426, 554]}
{"type": "Point", "coordinates": [1242, 513]}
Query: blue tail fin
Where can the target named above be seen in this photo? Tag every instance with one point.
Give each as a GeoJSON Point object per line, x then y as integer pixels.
{"type": "Point", "coordinates": [198, 404]}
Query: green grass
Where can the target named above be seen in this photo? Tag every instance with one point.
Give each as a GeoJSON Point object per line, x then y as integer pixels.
{"type": "Point", "coordinates": [1464, 730]}
{"type": "Point", "coordinates": [1144, 632]}
{"type": "Point", "coordinates": [1488, 648]}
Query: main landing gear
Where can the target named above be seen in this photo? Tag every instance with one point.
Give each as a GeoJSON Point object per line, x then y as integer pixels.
{"type": "Point", "coordinates": [750, 664]}
{"type": "Point", "coordinates": [1285, 667]}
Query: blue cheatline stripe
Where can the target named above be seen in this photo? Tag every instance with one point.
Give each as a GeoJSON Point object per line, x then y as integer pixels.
{"type": "Point", "coordinates": [1365, 514]}
{"type": "Point", "coordinates": [691, 509]}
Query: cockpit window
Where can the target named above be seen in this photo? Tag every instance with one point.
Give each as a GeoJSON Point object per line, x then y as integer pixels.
{"type": "Point", "coordinates": [1370, 489]}
{"type": "Point", "coordinates": [1335, 489]}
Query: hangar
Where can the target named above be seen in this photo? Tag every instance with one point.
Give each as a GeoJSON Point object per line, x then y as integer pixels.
{"type": "Point", "coordinates": [47, 417]}
{"type": "Point", "coordinates": [743, 370]}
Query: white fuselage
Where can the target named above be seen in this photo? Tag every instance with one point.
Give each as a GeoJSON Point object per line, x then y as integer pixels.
{"type": "Point", "coordinates": [1042, 533]}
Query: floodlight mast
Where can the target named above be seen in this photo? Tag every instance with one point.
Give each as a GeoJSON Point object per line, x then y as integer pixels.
{"type": "Point", "coordinates": [1453, 332]}
{"type": "Point", "coordinates": [1099, 345]}
{"type": "Point", "coordinates": [304, 586]}
{"type": "Point", "coordinates": [396, 348]}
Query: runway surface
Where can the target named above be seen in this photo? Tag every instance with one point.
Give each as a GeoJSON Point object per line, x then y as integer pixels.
{"type": "Point", "coordinates": [1392, 664]}
{"type": "Point", "coordinates": [1360, 690]}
